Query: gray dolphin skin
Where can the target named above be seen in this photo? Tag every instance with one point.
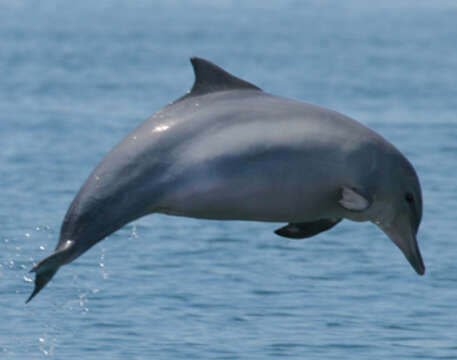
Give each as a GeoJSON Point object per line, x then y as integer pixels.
{"type": "Point", "coordinates": [229, 151]}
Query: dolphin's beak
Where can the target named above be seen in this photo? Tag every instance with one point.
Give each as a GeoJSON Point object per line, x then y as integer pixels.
{"type": "Point", "coordinates": [402, 234]}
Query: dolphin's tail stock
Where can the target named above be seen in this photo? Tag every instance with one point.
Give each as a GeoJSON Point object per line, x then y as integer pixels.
{"type": "Point", "coordinates": [47, 267]}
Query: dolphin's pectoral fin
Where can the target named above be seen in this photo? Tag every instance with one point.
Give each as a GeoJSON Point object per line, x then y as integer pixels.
{"type": "Point", "coordinates": [352, 199]}
{"type": "Point", "coordinates": [306, 230]}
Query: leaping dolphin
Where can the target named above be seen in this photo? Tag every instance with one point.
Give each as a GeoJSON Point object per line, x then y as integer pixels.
{"type": "Point", "coordinates": [229, 151]}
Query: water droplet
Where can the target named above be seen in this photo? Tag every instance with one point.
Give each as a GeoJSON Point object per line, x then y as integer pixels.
{"type": "Point", "coordinates": [41, 340]}
{"type": "Point", "coordinates": [42, 247]}
{"type": "Point", "coordinates": [27, 235]}
{"type": "Point", "coordinates": [134, 234]}
{"type": "Point", "coordinates": [27, 279]}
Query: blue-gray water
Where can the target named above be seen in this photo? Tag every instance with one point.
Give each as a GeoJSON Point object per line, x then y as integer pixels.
{"type": "Point", "coordinates": [75, 77]}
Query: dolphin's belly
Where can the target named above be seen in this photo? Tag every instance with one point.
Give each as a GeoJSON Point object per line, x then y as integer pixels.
{"type": "Point", "coordinates": [274, 185]}
{"type": "Point", "coordinates": [254, 206]}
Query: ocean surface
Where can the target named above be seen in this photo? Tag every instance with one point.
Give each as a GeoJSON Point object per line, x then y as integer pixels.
{"type": "Point", "coordinates": [75, 77]}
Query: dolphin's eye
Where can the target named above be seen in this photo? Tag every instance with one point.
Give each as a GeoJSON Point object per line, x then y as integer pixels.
{"type": "Point", "coordinates": [409, 198]}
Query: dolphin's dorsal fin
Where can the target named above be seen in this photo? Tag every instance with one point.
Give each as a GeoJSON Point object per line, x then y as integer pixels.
{"type": "Point", "coordinates": [211, 78]}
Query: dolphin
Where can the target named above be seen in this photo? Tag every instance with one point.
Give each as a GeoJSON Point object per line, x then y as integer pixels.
{"type": "Point", "coordinates": [229, 151]}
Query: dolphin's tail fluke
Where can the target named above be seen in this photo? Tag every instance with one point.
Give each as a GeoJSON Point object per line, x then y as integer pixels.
{"type": "Point", "coordinates": [47, 267]}
{"type": "Point", "coordinates": [44, 272]}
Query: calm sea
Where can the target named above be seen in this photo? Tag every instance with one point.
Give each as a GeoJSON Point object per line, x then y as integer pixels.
{"type": "Point", "coordinates": [75, 77]}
